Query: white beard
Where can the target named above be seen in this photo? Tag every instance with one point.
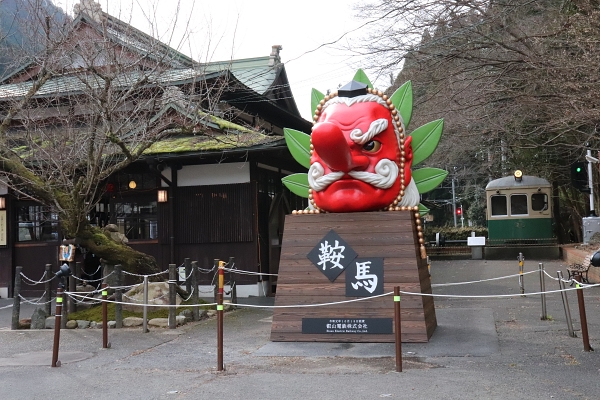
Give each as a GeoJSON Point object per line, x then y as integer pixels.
{"type": "Point", "coordinates": [384, 178]}
{"type": "Point", "coordinates": [411, 196]}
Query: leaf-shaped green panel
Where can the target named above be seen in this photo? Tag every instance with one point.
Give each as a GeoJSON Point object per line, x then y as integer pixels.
{"type": "Point", "coordinates": [428, 179]}
{"type": "Point", "coordinates": [425, 139]}
{"type": "Point", "coordinates": [299, 145]}
{"type": "Point", "coordinates": [361, 77]}
{"type": "Point", "coordinates": [402, 99]}
{"type": "Point", "coordinates": [423, 210]}
{"type": "Point", "coordinates": [297, 183]}
{"type": "Point", "coordinates": [315, 99]}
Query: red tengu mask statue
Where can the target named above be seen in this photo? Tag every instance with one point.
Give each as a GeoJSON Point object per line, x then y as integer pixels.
{"type": "Point", "coordinates": [361, 157]}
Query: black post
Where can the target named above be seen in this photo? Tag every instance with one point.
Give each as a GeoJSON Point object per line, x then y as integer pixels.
{"type": "Point", "coordinates": [104, 316]}
{"type": "Point", "coordinates": [57, 318]}
{"type": "Point", "coordinates": [233, 287]}
{"type": "Point", "coordinates": [195, 293]}
{"type": "Point", "coordinates": [172, 295]}
{"type": "Point", "coordinates": [188, 269]}
{"type": "Point", "coordinates": [48, 290]}
{"type": "Point", "coordinates": [582, 316]}
{"type": "Point", "coordinates": [16, 311]}
{"type": "Point", "coordinates": [119, 297]}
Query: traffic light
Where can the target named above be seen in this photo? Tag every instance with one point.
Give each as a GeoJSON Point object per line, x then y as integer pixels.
{"type": "Point", "coordinates": [459, 211]}
{"type": "Point", "coordinates": [579, 176]}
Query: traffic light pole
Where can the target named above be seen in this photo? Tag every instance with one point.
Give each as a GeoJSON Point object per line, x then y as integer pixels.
{"type": "Point", "coordinates": [590, 182]}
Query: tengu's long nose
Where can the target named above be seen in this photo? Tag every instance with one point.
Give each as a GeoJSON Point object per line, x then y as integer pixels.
{"type": "Point", "coordinates": [333, 148]}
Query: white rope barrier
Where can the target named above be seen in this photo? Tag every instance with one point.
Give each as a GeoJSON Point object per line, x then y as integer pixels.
{"type": "Point", "coordinates": [190, 296]}
{"type": "Point", "coordinates": [481, 280]}
{"type": "Point", "coordinates": [149, 305]}
{"type": "Point", "coordinates": [37, 282]}
{"type": "Point", "coordinates": [36, 302]}
{"type": "Point", "coordinates": [8, 306]}
{"type": "Point", "coordinates": [93, 273]}
{"type": "Point", "coordinates": [491, 296]}
{"type": "Point", "coordinates": [141, 276]}
{"type": "Point", "coordinates": [242, 272]}
{"type": "Point", "coordinates": [348, 301]}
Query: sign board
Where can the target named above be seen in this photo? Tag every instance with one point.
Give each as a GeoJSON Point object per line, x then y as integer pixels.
{"type": "Point", "coordinates": [2, 227]}
{"type": "Point", "coordinates": [67, 252]}
{"type": "Point", "coordinates": [348, 325]}
{"type": "Point", "coordinates": [476, 241]}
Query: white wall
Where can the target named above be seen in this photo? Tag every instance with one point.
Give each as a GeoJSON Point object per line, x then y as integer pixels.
{"type": "Point", "coordinates": [210, 174]}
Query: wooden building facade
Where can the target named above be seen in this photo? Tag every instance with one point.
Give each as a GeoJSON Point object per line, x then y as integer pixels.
{"type": "Point", "coordinates": [212, 192]}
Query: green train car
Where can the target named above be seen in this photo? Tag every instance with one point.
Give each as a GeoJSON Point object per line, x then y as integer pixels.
{"type": "Point", "coordinates": [519, 210]}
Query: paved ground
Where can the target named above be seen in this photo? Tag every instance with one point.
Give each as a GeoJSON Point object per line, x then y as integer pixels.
{"type": "Point", "coordinates": [482, 349]}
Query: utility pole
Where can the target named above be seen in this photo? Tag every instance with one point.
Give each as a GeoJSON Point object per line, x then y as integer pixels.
{"type": "Point", "coordinates": [454, 197]}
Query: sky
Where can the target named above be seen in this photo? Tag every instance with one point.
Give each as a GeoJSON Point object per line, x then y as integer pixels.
{"type": "Point", "coordinates": [234, 29]}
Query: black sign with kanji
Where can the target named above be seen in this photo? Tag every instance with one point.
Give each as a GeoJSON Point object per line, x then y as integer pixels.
{"type": "Point", "coordinates": [332, 255]}
{"type": "Point", "coordinates": [364, 277]}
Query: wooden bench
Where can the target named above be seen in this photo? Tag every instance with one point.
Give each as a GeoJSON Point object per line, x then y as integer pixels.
{"type": "Point", "coordinates": [580, 270]}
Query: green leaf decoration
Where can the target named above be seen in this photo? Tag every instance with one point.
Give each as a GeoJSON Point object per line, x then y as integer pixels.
{"type": "Point", "coordinates": [423, 210]}
{"type": "Point", "coordinates": [299, 145]}
{"type": "Point", "coordinates": [315, 99]}
{"type": "Point", "coordinates": [297, 183]}
{"type": "Point", "coordinates": [425, 139]}
{"type": "Point", "coordinates": [428, 179]}
{"type": "Point", "coordinates": [361, 77]}
{"type": "Point", "coordinates": [402, 99]}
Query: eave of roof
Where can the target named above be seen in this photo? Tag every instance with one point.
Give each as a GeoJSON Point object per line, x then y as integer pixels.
{"type": "Point", "coordinates": [179, 144]}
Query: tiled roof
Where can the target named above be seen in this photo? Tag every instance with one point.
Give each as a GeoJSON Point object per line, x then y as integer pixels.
{"type": "Point", "coordinates": [259, 79]}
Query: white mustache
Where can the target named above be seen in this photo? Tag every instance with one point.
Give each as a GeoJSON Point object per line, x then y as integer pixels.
{"type": "Point", "coordinates": [386, 173]}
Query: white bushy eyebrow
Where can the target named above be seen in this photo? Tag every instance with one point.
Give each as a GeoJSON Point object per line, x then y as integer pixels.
{"type": "Point", "coordinates": [376, 127]}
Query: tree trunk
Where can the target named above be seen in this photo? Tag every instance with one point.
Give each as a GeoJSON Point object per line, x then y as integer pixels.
{"type": "Point", "coordinates": [95, 240]}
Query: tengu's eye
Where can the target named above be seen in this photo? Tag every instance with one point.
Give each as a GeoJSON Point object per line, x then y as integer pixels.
{"type": "Point", "coordinates": [372, 146]}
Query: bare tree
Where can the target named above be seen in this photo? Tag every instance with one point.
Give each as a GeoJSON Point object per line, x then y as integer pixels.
{"type": "Point", "coordinates": [91, 95]}
{"type": "Point", "coordinates": [515, 80]}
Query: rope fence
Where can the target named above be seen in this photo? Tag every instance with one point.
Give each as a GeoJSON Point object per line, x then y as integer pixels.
{"type": "Point", "coordinates": [191, 295]}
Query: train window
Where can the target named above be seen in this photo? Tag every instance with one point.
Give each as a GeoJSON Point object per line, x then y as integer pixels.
{"type": "Point", "coordinates": [539, 202]}
{"type": "Point", "coordinates": [518, 204]}
{"type": "Point", "coordinates": [499, 205]}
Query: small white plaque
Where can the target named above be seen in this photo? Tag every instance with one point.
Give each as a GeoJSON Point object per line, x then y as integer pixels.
{"type": "Point", "coordinates": [476, 241]}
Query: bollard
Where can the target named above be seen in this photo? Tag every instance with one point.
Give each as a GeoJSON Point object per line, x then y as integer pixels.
{"type": "Point", "coordinates": [543, 290]}
{"type": "Point", "coordinates": [565, 300]}
{"type": "Point", "coordinates": [172, 295]}
{"type": "Point", "coordinates": [233, 287]}
{"type": "Point", "coordinates": [521, 268]}
{"type": "Point", "coordinates": [398, 330]}
{"type": "Point", "coordinates": [220, 315]}
{"type": "Point", "coordinates": [582, 316]}
{"type": "Point", "coordinates": [105, 344]}
{"type": "Point", "coordinates": [188, 269]}
{"type": "Point", "coordinates": [216, 288]}
{"type": "Point", "coordinates": [145, 316]}
{"type": "Point", "coordinates": [16, 309]}
{"type": "Point", "coordinates": [195, 293]}
{"type": "Point", "coordinates": [119, 297]}
{"type": "Point", "coordinates": [57, 318]}
{"type": "Point", "coordinates": [48, 290]}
